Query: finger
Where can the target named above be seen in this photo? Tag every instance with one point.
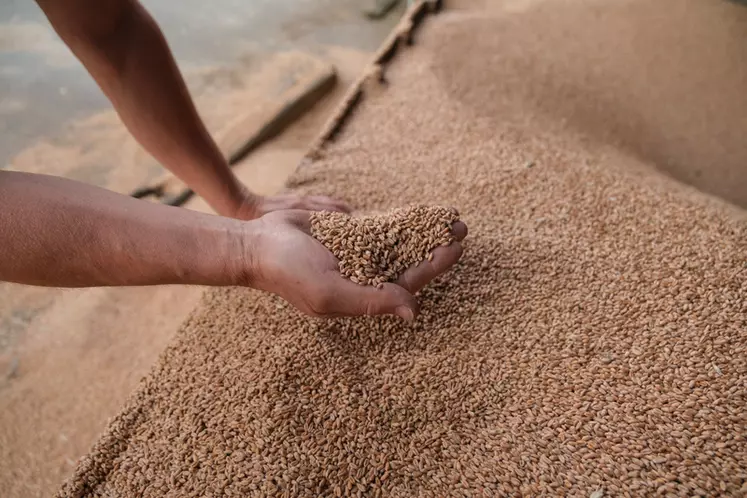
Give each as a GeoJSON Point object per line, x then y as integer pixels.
{"type": "Point", "coordinates": [459, 229]}
{"type": "Point", "coordinates": [341, 206]}
{"type": "Point", "coordinates": [417, 277]}
{"type": "Point", "coordinates": [350, 299]}
{"type": "Point", "coordinates": [320, 202]}
{"type": "Point", "coordinates": [322, 206]}
{"type": "Point", "coordinates": [444, 257]}
{"type": "Point", "coordinates": [300, 218]}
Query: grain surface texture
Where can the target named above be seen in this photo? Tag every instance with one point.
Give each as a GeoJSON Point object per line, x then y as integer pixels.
{"type": "Point", "coordinates": [591, 341]}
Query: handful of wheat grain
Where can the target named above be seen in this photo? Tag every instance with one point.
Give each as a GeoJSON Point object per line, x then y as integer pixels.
{"type": "Point", "coordinates": [378, 248]}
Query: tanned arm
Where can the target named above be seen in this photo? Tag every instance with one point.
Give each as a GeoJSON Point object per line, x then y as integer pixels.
{"type": "Point", "coordinates": [125, 51]}
{"type": "Point", "coordinates": [62, 233]}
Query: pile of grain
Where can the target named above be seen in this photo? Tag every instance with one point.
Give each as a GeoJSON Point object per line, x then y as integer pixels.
{"type": "Point", "coordinates": [378, 248]}
{"type": "Point", "coordinates": [592, 340]}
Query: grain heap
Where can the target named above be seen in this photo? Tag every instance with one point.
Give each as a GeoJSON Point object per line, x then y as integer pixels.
{"type": "Point", "coordinates": [592, 341]}
{"type": "Point", "coordinates": [378, 248]}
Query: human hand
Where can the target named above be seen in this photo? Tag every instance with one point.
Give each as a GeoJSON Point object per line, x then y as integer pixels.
{"type": "Point", "coordinates": [287, 261]}
{"type": "Point", "coordinates": [253, 206]}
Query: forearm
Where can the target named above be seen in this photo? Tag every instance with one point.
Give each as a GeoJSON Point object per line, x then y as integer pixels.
{"type": "Point", "coordinates": [132, 63]}
{"type": "Point", "coordinates": [61, 233]}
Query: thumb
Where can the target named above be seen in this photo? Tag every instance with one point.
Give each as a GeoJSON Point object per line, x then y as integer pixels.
{"type": "Point", "coordinates": [391, 299]}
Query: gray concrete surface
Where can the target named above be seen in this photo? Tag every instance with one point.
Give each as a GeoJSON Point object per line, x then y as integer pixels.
{"type": "Point", "coordinates": [42, 85]}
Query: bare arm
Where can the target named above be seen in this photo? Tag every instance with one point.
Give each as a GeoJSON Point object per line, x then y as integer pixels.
{"type": "Point", "coordinates": [57, 232]}
{"type": "Point", "coordinates": [62, 233]}
{"type": "Point", "coordinates": [125, 51]}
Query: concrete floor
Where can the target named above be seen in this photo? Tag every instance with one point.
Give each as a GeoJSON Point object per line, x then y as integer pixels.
{"type": "Point", "coordinates": [43, 87]}
{"type": "Point", "coordinates": [69, 358]}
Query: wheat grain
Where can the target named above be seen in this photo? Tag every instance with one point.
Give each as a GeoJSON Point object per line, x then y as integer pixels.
{"type": "Point", "coordinates": [581, 345]}
{"type": "Point", "coordinates": [378, 248]}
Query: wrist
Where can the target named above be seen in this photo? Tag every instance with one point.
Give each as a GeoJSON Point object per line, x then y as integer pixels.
{"type": "Point", "coordinates": [212, 252]}
{"type": "Point", "coordinates": [239, 203]}
{"type": "Point", "coordinates": [217, 184]}
{"type": "Point", "coordinates": [240, 260]}
{"type": "Point", "coordinates": [248, 206]}
{"type": "Point", "coordinates": [225, 196]}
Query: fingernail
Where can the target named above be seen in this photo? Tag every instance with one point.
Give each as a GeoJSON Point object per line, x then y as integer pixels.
{"type": "Point", "coordinates": [405, 313]}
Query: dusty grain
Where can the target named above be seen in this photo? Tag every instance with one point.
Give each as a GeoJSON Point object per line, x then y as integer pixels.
{"type": "Point", "coordinates": [378, 248]}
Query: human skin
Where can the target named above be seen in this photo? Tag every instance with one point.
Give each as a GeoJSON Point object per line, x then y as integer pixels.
{"type": "Point", "coordinates": [124, 50]}
{"type": "Point", "coordinates": [62, 233]}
